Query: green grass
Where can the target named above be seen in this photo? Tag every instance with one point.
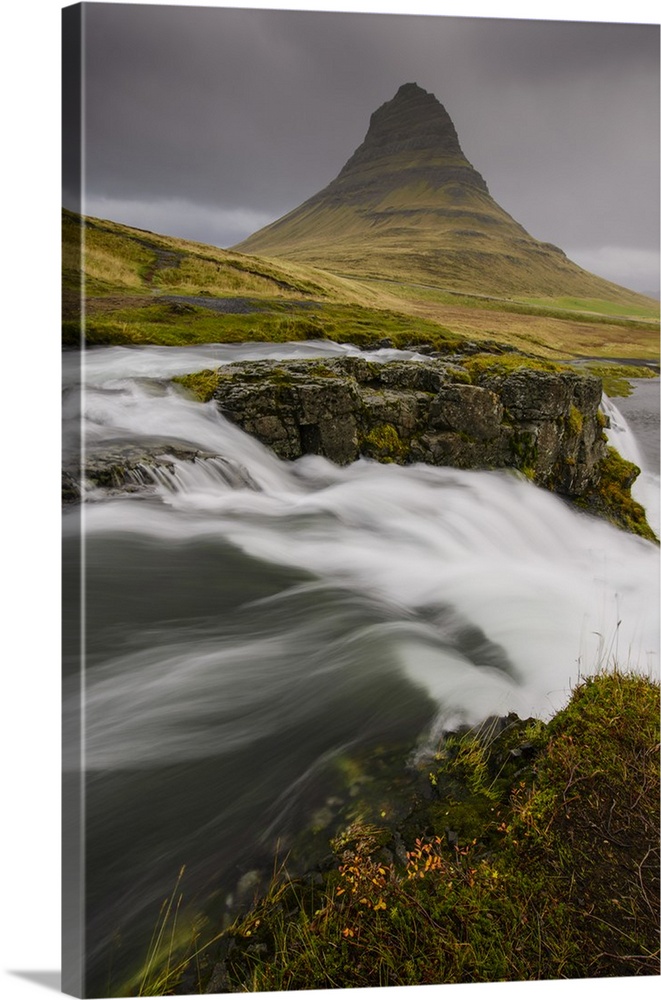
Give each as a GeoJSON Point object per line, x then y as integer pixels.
{"type": "Point", "coordinates": [601, 307]}
{"type": "Point", "coordinates": [533, 854]}
{"type": "Point", "coordinates": [118, 258]}
{"type": "Point", "coordinates": [616, 378]}
{"type": "Point", "coordinates": [173, 324]}
{"type": "Point", "coordinates": [170, 325]}
{"type": "Point", "coordinates": [113, 260]}
{"type": "Point", "coordinates": [636, 316]}
{"type": "Point", "coordinates": [551, 872]}
{"type": "Point", "coordinates": [201, 384]}
{"type": "Point", "coordinates": [492, 364]}
{"type": "Point", "coordinates": [175, 954]}
{"type": "Point", "coordinates": [382, 220]}
{"type": "Point", "coordinates": [541, 329]}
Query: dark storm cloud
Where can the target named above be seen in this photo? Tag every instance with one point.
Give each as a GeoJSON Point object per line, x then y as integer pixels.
{"type": "Point", "coordinates": [208, 123]}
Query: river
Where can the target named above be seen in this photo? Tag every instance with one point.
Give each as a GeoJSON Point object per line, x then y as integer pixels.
{"type": "Point", "coordinates": [249, 620]}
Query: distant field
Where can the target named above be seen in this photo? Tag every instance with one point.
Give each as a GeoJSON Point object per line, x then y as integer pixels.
{"type": "Point", "coordinates": [585, 310]}
{"type": "Point", "coordinates": [599, 306]}
{"type": "Point", "coordinates": [548, 329]}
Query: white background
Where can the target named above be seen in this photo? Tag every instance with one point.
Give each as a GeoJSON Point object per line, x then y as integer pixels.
{"type": "Point", "coordinates": [29, 432]}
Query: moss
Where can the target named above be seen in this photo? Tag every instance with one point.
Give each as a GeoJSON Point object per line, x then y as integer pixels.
{"type": "Point", "coordinates": [615, 378]}
{"type": "Point", "coordinates": [202, 384]}
{"type": "Point", "coordinates": [611, 496]}
{"type": "Point", "coordinates": [591, 821]}
{"type": "Point", "coordinates": [472, 777]}
{"type": "Point", "coordinates": [278, 377]}
{"type": "Point", "coordinates": [524, 449]}
{"type": "Point", "coordinates": [459, 374]}
{"type": "Point", "coordinates": [383, 442]}
{"type": "Point", "coordinates": [320, 370]}
{"type": "Point", "coordinates": [504, 364]}
{"type": "Point", "coordinates": [575, 420]}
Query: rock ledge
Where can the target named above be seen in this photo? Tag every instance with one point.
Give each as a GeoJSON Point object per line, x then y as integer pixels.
{"type": "Point", "coordinates": [545, 423]}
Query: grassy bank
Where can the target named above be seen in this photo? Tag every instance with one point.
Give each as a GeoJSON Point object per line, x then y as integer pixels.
{"type": "Point", "coordinates": [175, 323]}
{"type": "Point", "coordinates": [616, 378]}
{"type": "Point", "coordinates": [523, 851]}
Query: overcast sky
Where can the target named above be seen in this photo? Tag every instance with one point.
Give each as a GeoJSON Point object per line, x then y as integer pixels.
{"type": "Point", "coordinates": [209, 123]}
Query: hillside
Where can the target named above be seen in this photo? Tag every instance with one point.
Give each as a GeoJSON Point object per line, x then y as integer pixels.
{"type": "Point", "coordinates": [142, 287]}
{"type": "Point", "coordinates": [409, 206]}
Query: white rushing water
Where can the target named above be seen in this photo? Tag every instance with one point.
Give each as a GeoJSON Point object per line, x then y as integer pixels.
{"type": "Point", "coordinates": [646, 487]}
{"type": "Point", "coordinates": [250, 618]}
{"type": "Point", "coordinates": [561, 593]}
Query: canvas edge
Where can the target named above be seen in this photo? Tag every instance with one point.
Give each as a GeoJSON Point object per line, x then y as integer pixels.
{"type": "Point", "coordinates": [73, 929]}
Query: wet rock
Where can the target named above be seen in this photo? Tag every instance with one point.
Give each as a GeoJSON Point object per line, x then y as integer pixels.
{"type": "Point", "coordinates": [116, 468]}
{"type": "Point", "coordinates": [543, 423]}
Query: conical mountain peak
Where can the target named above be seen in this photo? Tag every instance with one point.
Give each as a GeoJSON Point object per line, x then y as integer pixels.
{"type": "Point", "coordinates": [413, 118]}
{"type": "Point", "coordinates": [408, 206]}
{"type": "Point", "coordinates": [412, 131]}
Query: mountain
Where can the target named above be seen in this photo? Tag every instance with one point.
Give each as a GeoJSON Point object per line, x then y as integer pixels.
{"type": "Point", "coordinates": [409, 206]}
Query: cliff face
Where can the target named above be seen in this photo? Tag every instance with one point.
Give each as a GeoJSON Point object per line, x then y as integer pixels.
{"type": "Point", "coordinates": [545, 424]}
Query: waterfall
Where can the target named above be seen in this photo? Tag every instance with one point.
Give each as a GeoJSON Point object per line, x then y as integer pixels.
{"type": "Point", "coordinates": [439, 551]}
{"type": "Point", "coordinates": [646, 487]}
{"type": "Point", "coordinates": [248, 619]}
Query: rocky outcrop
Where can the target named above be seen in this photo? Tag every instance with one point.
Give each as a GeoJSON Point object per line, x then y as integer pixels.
{"type": "Point", "coordinates": [545, 423]}
{"type": "Point", "coordinates": [118, 468]}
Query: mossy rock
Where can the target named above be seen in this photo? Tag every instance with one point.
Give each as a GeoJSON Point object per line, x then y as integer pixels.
{"type": "Point", "coordinates": [201, 384]}
{"type": "Point", "coordinates": [480, 365]}
{"type": "Point", "coordinates": [611, 496]}
{"type": "Point", "coordinates": [575, 420]}
{"type": "Point", "coordinates": [384, 443]}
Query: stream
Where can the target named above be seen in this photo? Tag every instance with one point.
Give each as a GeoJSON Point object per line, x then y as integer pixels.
{"type": "Point", "coordinates": [249, 620]}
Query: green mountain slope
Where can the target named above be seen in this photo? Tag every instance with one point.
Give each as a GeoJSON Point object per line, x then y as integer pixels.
{"type": "Point", "coordinates": [409, 206]}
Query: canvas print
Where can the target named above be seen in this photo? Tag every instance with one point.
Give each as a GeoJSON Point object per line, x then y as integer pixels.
{"type": "Point", "coordinates": [361, 500]}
